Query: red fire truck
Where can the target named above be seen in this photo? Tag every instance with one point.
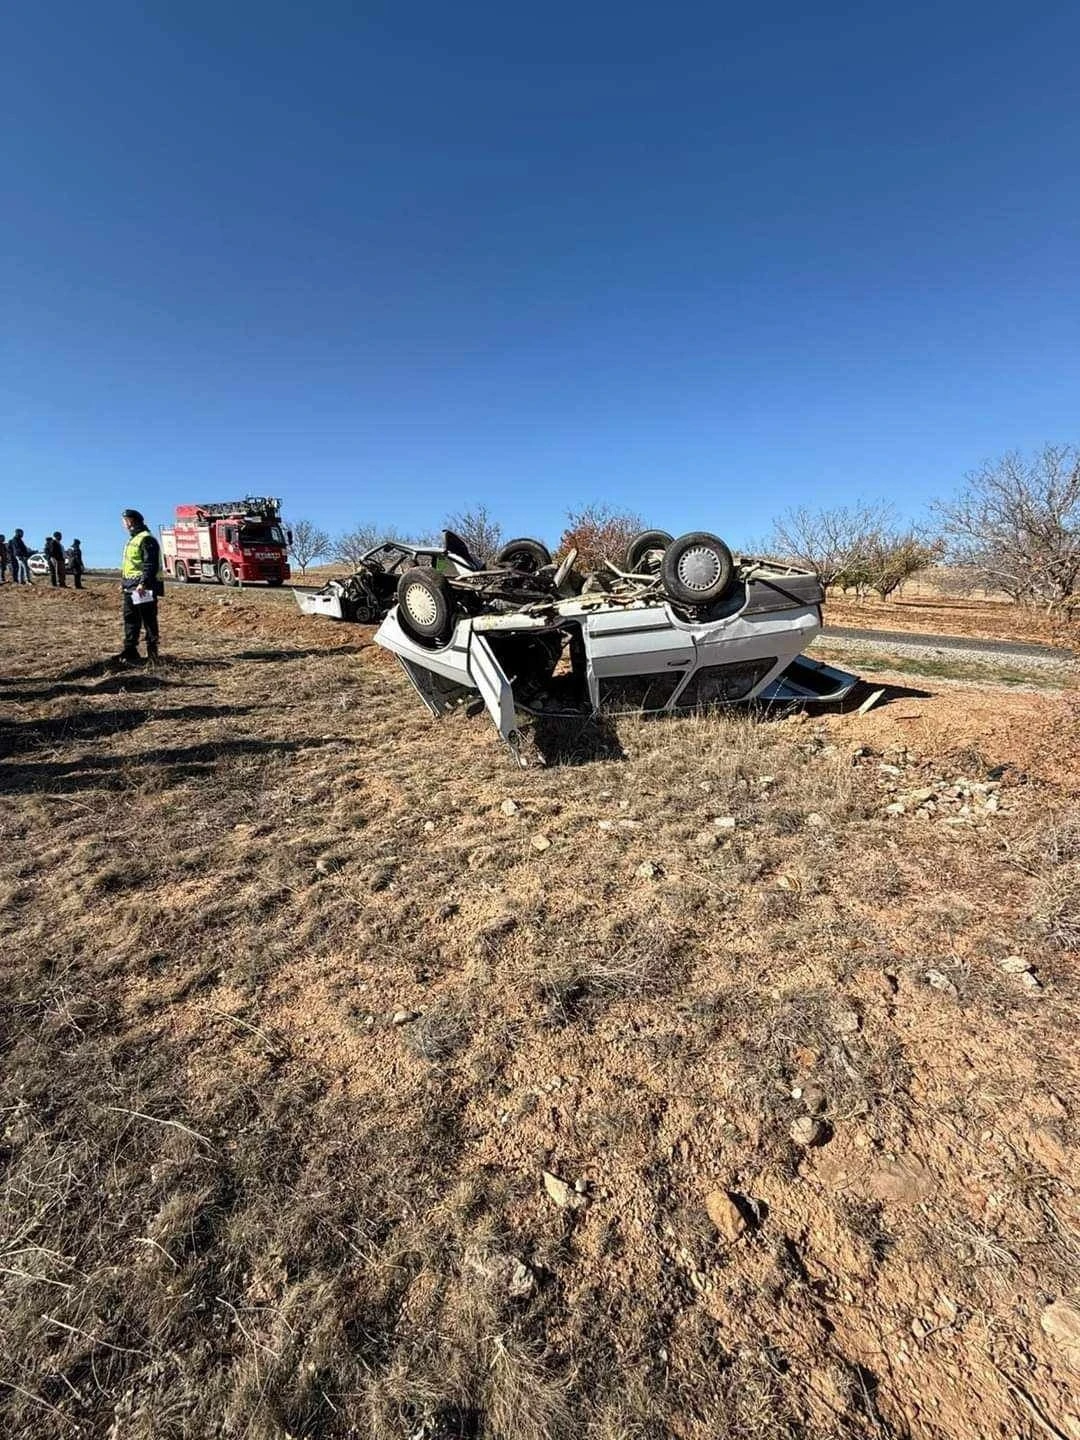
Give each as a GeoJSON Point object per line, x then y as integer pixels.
{"type": "Point", "coordinates": [235, 541]}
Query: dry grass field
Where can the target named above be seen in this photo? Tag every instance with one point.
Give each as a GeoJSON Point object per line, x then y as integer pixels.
{"type": "Point", "coordinates": [357, 1083]}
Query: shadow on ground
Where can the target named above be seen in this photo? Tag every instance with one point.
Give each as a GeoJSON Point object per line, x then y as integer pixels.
{"type": "Point", "coordinates": [118, 772]}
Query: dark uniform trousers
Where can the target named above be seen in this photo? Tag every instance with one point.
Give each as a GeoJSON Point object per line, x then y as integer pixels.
{"type": "Point", "coordinates": [136, 618]}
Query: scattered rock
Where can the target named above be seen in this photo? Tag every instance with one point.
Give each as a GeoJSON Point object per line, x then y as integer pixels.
{"type": "Point", "coordinates": [402, 1017]}
{"type": "Point", "coordinates": [940, 982]}
{"type": "Point", "coordinates": [564, 1195]}
{"type": "Point", "coordinates": [919, 1329]}
{"type": "Point", "coordinates": [606, 824]}
{"type": "Point", "coordinates": [727, 1214]}
{"type": "Point", "coordinates": [1014, 965]}
{"type": "Point", "coordinates": [846, 1020]}
{"type": "Point", "coordinates": [1061, 1321]}
{"type": "Point", "coordinates": [724, 822]}
{"type": "Point", "coordinates": [429, 825]}
{"type": "Point", "coordinates": [647, 870]}
{"type": "Point", "coordinates": [808, 1131]}
{"type": "Point", "coordinates": [811, 1095]}
{"type": "Point", "coordinates": [896, 808]}
{"type": "Point", "coordinates": [498, 925]}
{"type": "Point", "coordinates": [509, 807]}
{"type": "Point", "coordinates": [899, 1182]}
{"type": "Point", "coordinates": [1030, 981]}
{"type": "Point", "coordinates": [447, 911]}
{"type": "Point", "coordinates": [765, 781]}
{"type": "Point", "coordinates": [815, 821]}
{"type": "Point", "coordinates": [706, 839]}
{"type": "Point", "coordinates": [521, 1284]}
{"type": "Point", "coordinates": [540, 842]}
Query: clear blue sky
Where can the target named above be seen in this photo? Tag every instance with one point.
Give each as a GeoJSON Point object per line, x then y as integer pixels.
{"type": "Point", "coordinates": [391, 260]}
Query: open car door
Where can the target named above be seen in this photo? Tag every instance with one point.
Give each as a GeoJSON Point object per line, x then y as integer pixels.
{"type": "Point", "coordinates": [489, 678]}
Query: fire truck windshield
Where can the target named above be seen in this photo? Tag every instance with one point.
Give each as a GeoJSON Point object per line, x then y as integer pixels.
{"type": "Point", "coordinates": [262, 535]}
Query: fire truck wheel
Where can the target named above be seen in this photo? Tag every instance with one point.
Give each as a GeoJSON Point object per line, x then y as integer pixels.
{"type": "Point", "coordinates": [180, 573]}
{"type": "Point", "coordinates": [226, 574]}
{"type": "Point", "coordinates": [426, 606]}
{"type": "Point", "coordinates": [274, 583]}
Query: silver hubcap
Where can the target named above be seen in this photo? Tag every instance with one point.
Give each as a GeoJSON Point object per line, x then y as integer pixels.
{"type": "Point", "coordinates": [699, 568]}
{"type": "Point", "coordinates": [420, 604]}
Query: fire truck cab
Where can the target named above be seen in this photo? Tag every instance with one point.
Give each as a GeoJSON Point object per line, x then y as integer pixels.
{"type": "Point", "coordinates": [238, 542]}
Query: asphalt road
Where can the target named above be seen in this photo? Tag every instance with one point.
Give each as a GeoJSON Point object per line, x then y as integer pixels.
{"type": "Point", "coordinates": [949, 642]}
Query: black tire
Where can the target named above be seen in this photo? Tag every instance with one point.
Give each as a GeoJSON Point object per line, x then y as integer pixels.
{"type": "Point", "coordinates": [226, 574]}
{"type": "Point", "coordinates": [275, 583]}
{"type": "Point", "coordinates": [180, 573]}
{"type": "Point", "coordinates": [697, 569]}
{"type": "Point", "coordinates": [645, 552]}
{"type": "Point", "coordinates": [525, 555]}
{"type": "Point", "coordinates": [426, 608]}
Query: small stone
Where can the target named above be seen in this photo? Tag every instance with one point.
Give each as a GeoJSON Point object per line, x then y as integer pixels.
{"type": "Point", "coordinates": [899, 1182]}
{"type": "Point", "coordinates": [647, 870]}
{"type": "Point", "coordinates": [1014, 965]}
{"type": "Point", "coordinates": [815, 821]}
{"type": "Point", "coordinates": [498, 925]}
{"type": "Point", "coordinates": [939, 981]}
{"type": "Point", "coordinates": [402, 1017]}
{"type": "Point", "coordinates": [727, 1215]}
{"type": "Point", "coordinates": [724, 822]}
{"type": "Point", "coordinates": [540, 842]}
{"type": "Point", "coordinates": [896, 808]}
{"type": "Point", "coordinates": [581, 1187]}
{"type": "Point", "coordinates": [808, 1131]}
{"type": "Point", "coordinates": [429, 826]}
{"type": "Point", "coordinates": [624, 804]}
{"type": "Point", "coordinates": [1061, 1321]}
{"type": "Point", "coordinates": [811, 1095]}
{"type": "Point", "coordinates": [1030, 981]}
{"type": "Point", "coordinates": [563, 1195]}
{"type": "Point", "coordinates": [890, 769]}
{"type": "Point", "coordinates": [706, 839]}
{"type": "Point", "coordinates": [509, 807]}
{"type": "Point", "coordinates": [606, 824]}
{"type": "Point", "coordinates": [846, 1020]}
{"type": "Point", "coordinates": [521, 1284]}
{"type": "Point", "coordinates": [766, 780]}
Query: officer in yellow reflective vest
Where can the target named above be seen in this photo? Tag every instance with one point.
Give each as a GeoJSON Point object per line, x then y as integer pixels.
{"type": "Point", "coordinates": [144, 584]}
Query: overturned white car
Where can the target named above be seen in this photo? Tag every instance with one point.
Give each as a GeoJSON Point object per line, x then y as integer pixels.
{"type": "Point", "coordinates": [684, 626]}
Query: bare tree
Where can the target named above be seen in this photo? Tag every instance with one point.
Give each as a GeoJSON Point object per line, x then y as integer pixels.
{"type": "Point", "coordinates": [892, 557]}
{"type": "Point", "coordinates": [600, 532]}
{"type": "Point", "coordinates": [1017, 523]}
{"type": "Point", "coordinates": [351, 545]}
{"type": "Point", "coordinates": [832, 542]}
{"type": "Point", "coordinates": [308, 543]}
{"type": "Point", "coordinates": [480, 530]}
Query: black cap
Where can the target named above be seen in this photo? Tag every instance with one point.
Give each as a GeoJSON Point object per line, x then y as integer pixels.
{"type": "Point", "coordinates": [135, 515]}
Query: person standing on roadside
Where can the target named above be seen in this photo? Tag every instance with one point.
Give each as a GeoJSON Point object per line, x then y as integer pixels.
{"type": "Point", "coordinates": [19, 554]}
{"type": "Point", "coordinates": [143, 585]}
{"type": "Point", "coordinates": [77, 567]}
{"type": "Point", "coordinates": [4, 560]}
{"type": "Point", "coordinates": [54, 553]}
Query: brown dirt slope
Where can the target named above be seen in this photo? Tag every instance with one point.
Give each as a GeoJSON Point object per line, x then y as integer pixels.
{"type": "Point", "coordinates": [298, 1010]}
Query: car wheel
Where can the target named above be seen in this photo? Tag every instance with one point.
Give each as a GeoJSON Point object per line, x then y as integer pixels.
{"type": "Point", "coordinates": [697, 569]}
{"type": "Point", "coordinates": [426, 606]}
{"type": "Point", "coordinates": [226, 574]}
{"type": "Point", "coordinates": [646, 551]}
{"type": "Point", "coordinates": [525, 555]}
{"type": "Point", "coordinates": [180, 573]}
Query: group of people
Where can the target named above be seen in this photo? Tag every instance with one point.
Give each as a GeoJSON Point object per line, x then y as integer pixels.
{"type": "Point", "coordinates": [15, 556]}
{"type": "Point", "coordinates": [142, 579]}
